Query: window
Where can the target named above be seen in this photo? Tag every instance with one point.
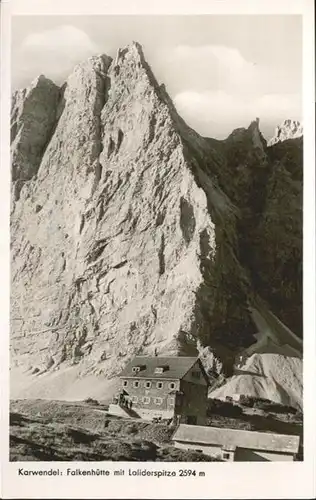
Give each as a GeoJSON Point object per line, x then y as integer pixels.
{"type": "Point", "coordinates": [158, 401]}
{"type": "Point", "coordinates": [148, 384]}
{"type": "Point", "coordinates": [136, 383]}
{"type": "Point", "coordinates": [171, 401]}
{"type": "Point", "coordinates": [125, 383]}
{"type": "Point", "coordinates": [134, 399]}
{"type": "Point", "coordinates": [196, 374]}
{"type": "Point", "coordinates": [226, 455]}
{"type": "Point", "coordinates": [138, 368]}
{"type": "Point", "coordinates": [159, 385]}
{"type": "Point", "coordinates": [146, 400]}
{"type": "Point", "coordinates": [172, 385]}
{"type": "Point", "coordinates": [161, 369]}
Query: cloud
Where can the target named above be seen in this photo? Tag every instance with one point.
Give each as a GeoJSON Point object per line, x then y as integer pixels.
{"type": "Point", "coordinates": [216, 89]}
{"type": "Point", "coordinates": [64, 38]}
{"type": "Point", "coordinates": [51, 52]}
{"type": "Point", "coordinates": [211, 67]}
{"type": "Point", "coordinates": [217, 113]}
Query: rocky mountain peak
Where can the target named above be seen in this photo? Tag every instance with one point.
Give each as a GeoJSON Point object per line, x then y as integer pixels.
{"type": "Point", "coordinates": [133, 51]}
{"type": "Point", "coordinates": [131, 233]}
{"type": "Point", "coordinates": [131, 63]}
{"type": "Point", "coordinates": [33, 115]}
{"type": "Point", "coordinates": [289, 129]}
{"type": "Point", "coordinates": [42, 80]}
{"type": "Point", "coordinates": [250, 137]}
{"type": "Point", "coordinates": [257, 138]}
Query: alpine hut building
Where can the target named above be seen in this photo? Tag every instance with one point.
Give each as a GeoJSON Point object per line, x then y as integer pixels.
{"type": "Point", "coordinates": [163, 388]}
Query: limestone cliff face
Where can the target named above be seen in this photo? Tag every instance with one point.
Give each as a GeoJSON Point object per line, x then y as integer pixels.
{"type": "Point", "coordinates": [278, 238]}
{"type": "Point", "coordinates": [127, 227]}
{"type": "Point", "coordinates": [266, 185]}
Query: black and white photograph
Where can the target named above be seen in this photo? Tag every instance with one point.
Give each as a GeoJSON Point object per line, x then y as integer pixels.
{"type": "Point", "coordinates": [156, 239]}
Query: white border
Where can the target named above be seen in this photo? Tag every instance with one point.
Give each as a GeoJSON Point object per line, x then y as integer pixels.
{"type": "Point", "coordinates": [5, 93]}
{"type": "Point", "coordinates": [236, 480]}
{"type": "Point", "coordinates": [137, 7]}
{"type": "Point", "coordinates": [309, 297]}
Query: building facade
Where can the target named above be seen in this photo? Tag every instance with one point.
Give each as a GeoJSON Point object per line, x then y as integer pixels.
{"type": "Point", "coordinates": [234, 445]}
{"type": "Point", "coordinates": [169, 388]}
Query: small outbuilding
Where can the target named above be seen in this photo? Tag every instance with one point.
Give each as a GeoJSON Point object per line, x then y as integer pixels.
{"type": "Point", "coordinates": [234, 445]}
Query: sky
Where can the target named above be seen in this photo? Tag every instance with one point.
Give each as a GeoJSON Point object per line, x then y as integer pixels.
{"type": "Point", "coordinates": [221, 71]}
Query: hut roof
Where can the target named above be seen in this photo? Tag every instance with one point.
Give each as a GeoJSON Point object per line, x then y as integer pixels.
{"type": "Point", "coordinates": [237, 438]}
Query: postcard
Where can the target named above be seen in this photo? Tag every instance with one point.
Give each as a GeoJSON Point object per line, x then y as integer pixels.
{"type": "Point", "coordinates": [158, 193]}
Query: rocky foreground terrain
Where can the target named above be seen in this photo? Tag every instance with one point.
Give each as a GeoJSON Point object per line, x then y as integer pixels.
{"type": "Point", "coordinates": [55, 430]}
{"type": "Point", "coordinates": [131, 233]}
{"type": "Point", "coordinates": [58, 430]}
